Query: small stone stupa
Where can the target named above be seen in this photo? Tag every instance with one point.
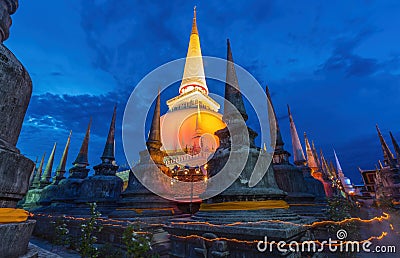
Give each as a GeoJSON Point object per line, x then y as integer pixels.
{"type": "Point", "coordinates": [137, 200]}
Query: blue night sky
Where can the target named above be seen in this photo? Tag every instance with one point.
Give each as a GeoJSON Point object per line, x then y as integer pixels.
{"type": "Point", "coordinates": [336, 63]}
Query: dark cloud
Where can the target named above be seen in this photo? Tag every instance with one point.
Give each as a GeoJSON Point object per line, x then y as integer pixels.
{"type": "Point", "coordinates": [351, 65]}
{"type": "Point", "coordinates": [50, 117]}
{"type": "Point", "coordinates": [56, 74]}
{"type": "Point", "coordinates": [343, 59]}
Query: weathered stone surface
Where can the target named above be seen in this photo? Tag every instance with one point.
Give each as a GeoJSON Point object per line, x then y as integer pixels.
{"type": "Point", "coordinates": [299, 187]}
{"type": "Point", "coordinates": [31, 200]}
{"type": "Point", "coordinates": [265, 189]}
{"type": "Point", "coordinates": [15, 238]}
{"type": "Point", "coordinates": [15, 93]}
{"type": "Point", "coordinates": [15, 171]}
{"type": "Point", "coordinates": [100, 188]}
{"type": "Point", "coordinates": [238, 232]}
{"type": "Point", "coordinates": [8, 7]}
{"type": "Point", "coordinates": [138, 201]}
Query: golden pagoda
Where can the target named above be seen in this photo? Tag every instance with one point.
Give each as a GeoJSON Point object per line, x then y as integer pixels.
{"type": "Point", "coordinates": [187, 129]}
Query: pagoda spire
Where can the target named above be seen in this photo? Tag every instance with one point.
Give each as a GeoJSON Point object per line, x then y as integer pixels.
{"type": "Point", "coordinates": [193, 74]}
{"type": "Point", "coordinates": [298, 153]}
{"type": "Point", "coordinates": [60, 171]}
{"type": "Point", "coordinates": [109, 148]}
{"type": "Point", "coordinates": [79, 170]}
{"type": "Point", "coordinates": [108, 167]}
{"type": "Point", "coordinates": [314, 151]}
{"type": "Point", "coordinates": [154, 140]}
{"type": "Point", "coordinates": [346, 183]}
{"type": "Point", "coordinates": [338, 166]}
{"type": "Point", "coordinates": [380, 164]}
{"type": "Point", "coordinates": [311, 162]}
{"type": "Point", "coordinates": [82, 158]}
{"type": "Point", "coordinates": [396, 147]}
{"type": "Point", "coordinates": [232, 90]}
{"type": "Point", "coordinates": [271, 112]}
{"type": "Point", "coordinates": [333, 170]}
{"type": "Point", "coordinates": [387, 154]}
{"type": "Point", "coordinates": [38, 175]}
{"type": "Point", "coordinates": [324, 164]}
{"type": "Point", "coordinates": [194, 23]}
{"type": "Point", "coordinates": [33, 172]}
{"type": "Point", "coordinates": [45, 180]}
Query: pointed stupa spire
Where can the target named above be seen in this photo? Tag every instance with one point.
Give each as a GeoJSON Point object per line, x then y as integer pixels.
{"type": "Point", "coordinates": [271, 112]}
{"type": "Point", "coordinates": [108, 167]}
{"type": "Point", "coordinates": [314, 151]}
{"type": "Point", "coordinates": [33, 172]}
{"type": "Point", "coordinates": [312, 164]}
{"type": "Point", "coordinates": [109, 149]}
{"type": "Point", "coordinates": [232, 90]}
{"type": "Point", "coordinates": [333, 169]}
{"type": "Point", "coordinates": [193, 74]}
{"type": "Point", "coordinates": [194, 23]}
{"type": "Point", "coordinates": [60, 171]}
{"type": "Point", "coordinates": [346, 183]}
{"type": "Point", "coordinates": [380, 164]}
{"type": "Point", "coordinates": [324, 164]}
{"type": "Point", "coordinates": [49, 167]}
{"type": "Point", "coordinates": [82, 158]}
{"type": "Point", "coordinates": [38, 175]}
{"type": "Point", "coordinates": [154, 140]}
{"type": "Point", "coordinates": [396, 147]}
{"type": "Point", "coordinates": [387, 154]}
{"type": "Point", "coordinates": [298, 153]}
{"type": "Point", "coordinates": [338, 166]}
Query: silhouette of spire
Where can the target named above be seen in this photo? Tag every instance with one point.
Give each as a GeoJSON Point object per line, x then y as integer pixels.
{"type": "Point", "coordinates": [298, 153]}
{"type": "Point", "coordinates": [380, 164]}
{"type": "Point", "coordinates": [49, 167]}
{"type": "Point", "coordinates": [396, 147]}
{"type": "Point", "coordinates": [314, 151]}
{"type": "Point", "coordinates": [338, 166]}
{"type": "Point", "coordinates": [387, 154]}
{"type": "Point", "coordinates": [324, 165]}
{"type": "Point", "coordinates": [232, 90]}
{"type": "Point", "coordinates": [109, 149]}
{"type": "Point", "coordinates": [82, 158]}
{"type": "Point", "coordinates": [312, 164]}
{"type": "Point", "coordinates": [333, 170]}
{"type": "Point", "coordinates": [271, 112]}
{"type": "Point", "coordinates": [60, 171]}
{"type": "Point", "coordinates": [154, 140]}
{"type": "Point", "coordinates": [108, 167]}
{"type": "Point", "coordinates": [38, 175]}
{"type": "Point", "coordinates": [33, 172]}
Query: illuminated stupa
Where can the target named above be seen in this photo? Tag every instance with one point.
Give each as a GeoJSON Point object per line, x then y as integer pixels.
{"type": "Point", "coordinates": [187, 129]}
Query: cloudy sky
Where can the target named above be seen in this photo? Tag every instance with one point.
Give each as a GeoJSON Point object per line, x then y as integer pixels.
{"type": "Point", "coordinates": [336, 63]}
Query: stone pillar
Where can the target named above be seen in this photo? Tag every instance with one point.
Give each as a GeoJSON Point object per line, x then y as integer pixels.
{"type": "Point", "coordinates": [15, 169]}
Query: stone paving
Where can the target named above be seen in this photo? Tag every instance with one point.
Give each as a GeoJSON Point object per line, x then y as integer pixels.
{"type": "Point", "coordinates": [45, 249]}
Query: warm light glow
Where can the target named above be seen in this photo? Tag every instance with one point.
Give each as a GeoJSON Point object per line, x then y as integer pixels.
{"type": "Point", "coordinates": [178, 129]}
